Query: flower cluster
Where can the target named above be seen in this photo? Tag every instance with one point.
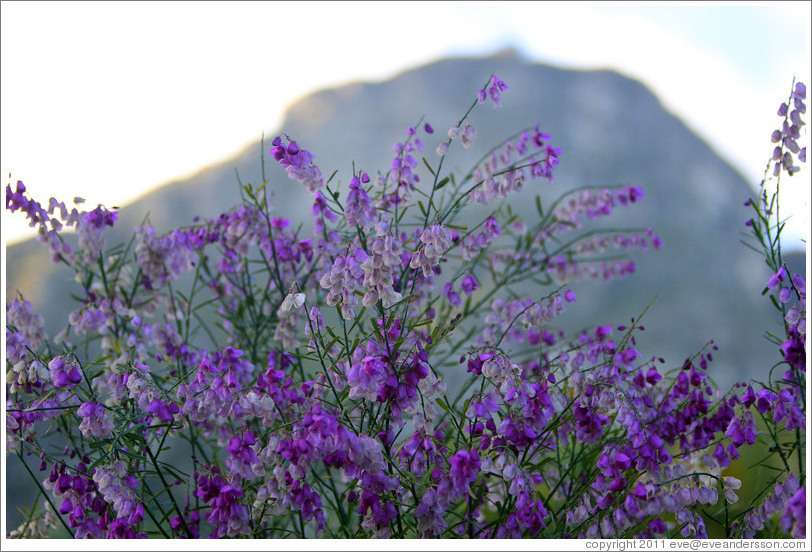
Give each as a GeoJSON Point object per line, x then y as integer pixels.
{"type": "Point", "coordinates": [493, 90]}
{"type": "Point", "coordinates": [226, 512]}
{"type": "Point", "coordinates": [298, 163]}
{"type": "Point", "coordinates": [379, 267]}
{"type": "Point", "coordinates": [29, 324]}
{"type": "Point", "coordinates": [591, 204]}
{"type": "Point", "coordinates": [89, 225]}
{"type": "Point", "coordinates": [95, 422]}
{"type": "Point", "coordinates": [792, 291]}
{"type": "Point", "coordinates": [505, 170]}
{"type": "Point", "coordinates": [305, 376]}
{"type": "Point", "coordinates": [162, 259]}
{"type": "Point", "coordinates": [436, 239]}
{"type": "Point", "coordinates": [402, 171]}
{"type": "Point", "coordinates": [343, 278]}
{"type": "Point", "coordinates": [64, 373]}
{"type": "Point", "coordinates": [118, 489]}
{"type": "Point", "coordinates": [359, 210]}
{"type": "Point", "coordinates": [784, 154]}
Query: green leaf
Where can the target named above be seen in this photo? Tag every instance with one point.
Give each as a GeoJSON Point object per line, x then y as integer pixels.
{"type": "Point", "coordinates": [100, 443]}
{"type": "Point", "coordinates": [441, 183]}
{"type": "Point", "coordinates": [131, 456]}
{"type": "Point", "coordinates": [133, 439]}
{"type": "Point", "coordinates": [466, 404]}
{"type": "Point", "coordinates": [426, 163]}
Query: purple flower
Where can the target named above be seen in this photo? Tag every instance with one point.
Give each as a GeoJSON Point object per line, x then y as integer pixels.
{"type": "Point", "coordinates": [343, 279]}
{"type": "Point", "coordinates": [163, 410]}
{"type": "Point", "coordinates": [298, 163]}
{"type": "Point", "coordinates": [28, 323]}
{"type": "Point", "coordinates": [366, 377]}
{"type": "Point", "coordinates": [463, 469]}
{"type": "Point", "coordinates": [244, 460]}
{"type": "Point", "coordinates": [436, 240]}
{"type": "Point", "coordinates": [795, 418]}
{"type": "Point", "coordinates": [320, 208]}
{"type": "Point", "coordinates": [777, 278]}
{"type": "Point", "coordinates": [95, 422]}
{"type": "Point", "coordinates": [749, 397]}
{"type": "Point", "coordinates": [64, 373]}
{"type": "Point", "coordinates": [382, 514]}
{"type": "Point", "coordinates": [742, 429]}
{"type": "Point", "coordinates": [794, 516]}
{"type": "Point", "coordinates": [100, 217]}
{"type": "Point", "coordinates": [164, 258]}
{"type": "Point", "coordinates": [358, 209]}
{"type": "Point", "coordinates": [495, 89]}
{"type": "Point", "coordinates": [379, 268]}
{"type": "Point", "coordinates": [453, 297]}
{"type": "Point", "coordinates": [228, 515]}
{"type": "Point", "coordinates": [653, 376]}
{"type": "Point", "coordinates": [721, 456]}
{"type": "Point", "coordinates": [492, 227]}
{"type": "Point", "coordinates": [87, 321]}
{"type": "Point", "coordinates": [601, 332]}
{"type": "Point", "coordinates": [113, 486]}
{"type": "Point", "coordinates": [469, 284]}
{"type": "Point", "coordinates": [429, 515]}
{"type": "Point", "coordinates": [657, 525]}
{"type": "Point", "coordinates": [622, 461]}
{"type": "Point", "coordinates": [764, 400]}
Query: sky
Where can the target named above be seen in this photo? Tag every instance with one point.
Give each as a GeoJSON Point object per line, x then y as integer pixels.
{"type": "Point", "coordinates": [109, 100]}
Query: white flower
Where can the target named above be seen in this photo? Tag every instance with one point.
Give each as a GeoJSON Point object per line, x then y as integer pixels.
{"type": "Point", "coordinates": [292, 301]}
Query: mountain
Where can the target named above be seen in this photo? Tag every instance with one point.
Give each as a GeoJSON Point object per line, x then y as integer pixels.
{"type": "Point", "coordinates": [612, 130]}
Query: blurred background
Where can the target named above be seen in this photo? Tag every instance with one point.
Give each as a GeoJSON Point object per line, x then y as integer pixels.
{"type": "Point", "coordinates": [156, 107]}
{"type": "Point", "coordinates": [110, 101]}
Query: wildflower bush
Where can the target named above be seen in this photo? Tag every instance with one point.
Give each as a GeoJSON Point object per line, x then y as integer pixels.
{"type": "Point", "coordinates": [381, 377]}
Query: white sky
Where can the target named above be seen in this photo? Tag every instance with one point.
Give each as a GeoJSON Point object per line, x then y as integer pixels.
{"type": "Point", "coordinates": [109, 100]}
